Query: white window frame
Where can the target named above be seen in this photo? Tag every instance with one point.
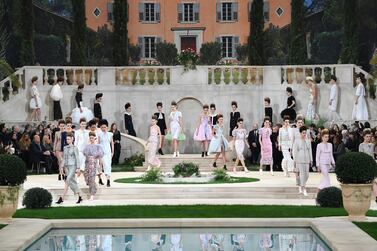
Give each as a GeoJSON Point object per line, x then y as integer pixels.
{"type": "Point", "coordinates": [228, 47]}
{"type": "Point", "coordinates": [229, 12]}
{"type": "Point", "coordinates": [187, 15]}
{"type": "Point", "coordinates": [152, 15]}
{"type": "Point", "coordinates": [151, 53]}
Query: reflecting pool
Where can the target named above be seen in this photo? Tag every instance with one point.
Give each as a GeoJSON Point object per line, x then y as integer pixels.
{"type": "Point", "coordinates": [181, 239]}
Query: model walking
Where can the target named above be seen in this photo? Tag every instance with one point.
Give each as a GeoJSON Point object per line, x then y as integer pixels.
{"type": "Point", "coordinates": [333, 101]}
{"type": "Point", "coordinates": [154, 137]}
{"type": "Point", "coordinates": [117, 146]}
{"type": "Point", "coordinates": [324, 159]}
{"type": "Point", "coordinates": [176, 126]}
{"type": "Point", "coordinates": [234, 116]}
{"type": "Point", "coordinates": [291, 104]}
{"type": "Point", "coordinates": [58, 147]}
{"type": "Point", "coordinates": [93, 152]}
{"type": "Point", "coordinates": [97, 106]}
{"type": "Point", "coordinates": [56, 95]}
{"type": "Point", "coordinates": [35, 101]}
{"type": "Point", "coordinates": [360, 111]}
{"type": "Point", "coordinates": [302, 155]}
{"type": "Point", "coordinates": [284, 142]}
{"type": "Point", "coordinates": [105, 139]}
{"type": "Point", "coordinates": [240, 139]}
{"type": "Point", "coordinates": [128, 124]}
{"type": "Point", "coordinates": [266, 145]}
{"type": "Point", "coordinates": [212, 115]}
{"type": "Point", "coordinates": [161, 122]}
{"type": "Point", "coordinates": [72, 166]}
{"type": "Point", "coordinates": [80, 111]}
{"type": "Point", "coordinates": [203, 132]}
{"type": "Point", "coordinates": [311, 111]}
{"type": "Point", "coordinates": [81, 140]}
{"type": "Point", "coordinates": [219, 144]}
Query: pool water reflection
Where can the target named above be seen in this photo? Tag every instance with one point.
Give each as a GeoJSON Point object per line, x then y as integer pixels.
{"type": "Point", "coordinates": [185, 239]}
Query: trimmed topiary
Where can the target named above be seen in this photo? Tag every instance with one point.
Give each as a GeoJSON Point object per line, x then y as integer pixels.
{"type": "Point", "coordinates": [356, 168]}
{"type": "Point", "coordinates": [186, 169]}
{"type": "Point", "coordinates": [12, 170]}
{"type": "Point", "coordinates": [220, 175]}
{"type": "Point", "coordinates": [330, 197]}
{"type": "Point", "coordinates": [152, 175]}
{"type": "Point", "coordinates": [37, 198]}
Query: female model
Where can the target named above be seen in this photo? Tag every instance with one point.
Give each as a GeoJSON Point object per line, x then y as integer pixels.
{"type": "Point", "coordinates": [161, 122]}
{"type": "Point", "coordinates": [105, 139]}
{"type": "Point", "coordinates": [58, 147]}
{"type": "Point", "coordinates": [219, 144]}
{"type": "Point", "coordinates": [266, 145]}
{"type": "Point", "coordinates": [284, 142]}
{"type": "Point", "coordinates": [93, 152]}
{"type": "Point", "coordinates": [81, 140]}
{"type": "Point", "coordinates": [203, 132]}
{"type": "Point", "coordinates": [80, 111]}
{"type": "Point", "coordinates": [240, 137]}
{"type": "Point", "coordinates": [311, 111]}
{"type": "Point", "coordinates": [176, 126]}
{"type": "Point", "coordinates": [35, 101]}
{"type": "Point", "coordinates": [234, 116]}
{"type": "Point", "coordinates": [117, 146]}
{"type": "Point", "coordinates": [291, 104]}
{"type": "Point", "coordinates": [154, 137]}
{"type": "Point", "coordinates": [360, 111]}
{"type": "Point", "coordinates": [324, 159]}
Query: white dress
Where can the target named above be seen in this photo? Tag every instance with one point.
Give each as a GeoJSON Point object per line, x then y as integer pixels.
{"type": "Point", "coordinates": [56, 93]}
{"type": "Point", "coordinates": [174, 124]}
{"type": "Point", "coordinates": [360, 111]}
{"type": "Point", "coordinates": [35, 96]}
{"type": "Point", "coordinates": [81, 140]}
{"type": "Point", "coordinates": [311, 111]}
{"type": "Point", "coordinates": [105, 139]}
{"type": "Point", "coordinates": [285, 139]}
{"type": "Point", "coordinates": [333, 115]}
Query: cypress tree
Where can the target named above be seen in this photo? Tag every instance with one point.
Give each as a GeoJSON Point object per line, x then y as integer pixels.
{"type": "Point", "coordinates": [79, 45]}
{"type": "Point", "coordinates": [26, 28]}
{"type": "Point", "coordinates": [297, 48]}
{"type": "Point", "coordinates": [120, 39]}
{"type": "Point", "coordinates": [350, 48]}
{"type": "Point", "coordinates": [256, 51]}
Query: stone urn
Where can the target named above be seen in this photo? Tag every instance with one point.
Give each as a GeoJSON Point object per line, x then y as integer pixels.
{"type": "Point", "coordinates": [356, 200]}
{"type": "Point", "coordinates": [8, 201]}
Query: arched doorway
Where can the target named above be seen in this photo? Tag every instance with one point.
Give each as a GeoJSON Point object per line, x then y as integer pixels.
{"type": "Point", "coordinates": [190, 108]}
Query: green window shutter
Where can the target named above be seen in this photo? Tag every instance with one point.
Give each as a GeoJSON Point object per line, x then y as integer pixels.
{"type": "Point", "coordinates": [235, 11]}
{"type": "Point", "coordinates": [236, 43]}
{"type": "Point", "coordinates": [180, 12]}
{"type": "Point", "coordinates": [158, 12]}
{"type": "Point", "coordinates": [196, 12]}
{"type": "Point", "coordinates": [142, 46]}
{"type": "Point", "coordinates": [218, 12]}
{"type": "Point", "coordinates": [141, 12]}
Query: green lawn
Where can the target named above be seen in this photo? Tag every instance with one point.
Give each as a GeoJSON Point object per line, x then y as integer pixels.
{"type": "Point", "coordinates": [233, 180]}
{"type": "Point", "coordinates": [184, 211]}
{"type": "Point", "coordinates": [1, 226]}
{"type": "Point", "coordinates": [368, 227]}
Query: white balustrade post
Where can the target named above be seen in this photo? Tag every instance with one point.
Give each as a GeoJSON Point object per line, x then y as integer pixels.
{"type": "Point", "coordinates": [285, 78]}
{"type": "Point", "coordinates": [303, 75]}
{"type": "Point", "coordinates": [65, 78]}
{"type": "Point", "coordinates": [165, 69]}
{"type": "Point", "coordinates": [83, 76]}
{"type": "Point", "coordinates": [257, 77]}
{"type": "Point", "coordinates": [137, 76]}
{"type": "Point", "coordinates": [248, 75]}
{"type": "Point", "coordinates": [120, 72]}
{"type": "Point", "coordinates": [294, 79]}
{"type": "Point", "coordinates": [74, 76]}
{"type": "Point", "coordinates": [146, 76]}
{"type": "Point", "coordinates": [20, 80]}
{"type": "Point", "coordinates": [313, 73]}
{"type": "Point", "coordinates": [213, 76]}
{"type": "Point", "coordinates": [155, 77]}
{"type": "Point", "coordinates": [93, 77]}
{"type": "Point", "coordinates": [231, 80]}
{"type": "Point", "coordinates": [222, 78]}
{"type": "Point", "coordinates": [322, 75]}
{"type": "Point", "coordinates": [45, 80]}
{"type": "Point", "coordinates": [127, 71]}
{"type": "Point", "coordinates": [240, 75]}
{"type": "Point", "coordinates": [55, 75]}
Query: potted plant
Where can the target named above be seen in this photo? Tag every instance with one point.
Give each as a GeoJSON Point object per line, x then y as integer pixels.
{"type": "Point", "coordinates": [356, 172]}
{"type": "Point", "coordinates": [12, 175]}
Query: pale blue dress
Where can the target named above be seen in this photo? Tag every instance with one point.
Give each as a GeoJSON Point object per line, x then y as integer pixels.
{"type": "Point", "coordinates": [218, 141]}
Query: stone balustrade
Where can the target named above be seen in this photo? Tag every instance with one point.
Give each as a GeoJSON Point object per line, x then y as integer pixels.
{"type": "Point", "coordinates": [231, 74]}
{"type": "Point", "coordinates": [296, 74]}
{"type": "Point", "coordinates": [71, 75]}
{"type": "Point", "coordinates": [143, 75]}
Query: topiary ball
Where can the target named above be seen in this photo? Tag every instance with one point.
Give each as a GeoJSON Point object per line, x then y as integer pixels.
{"type": "Point", "coordinates": [37, 198]}
{"type": "Point", "coordinates": [330, 197]}
{"type": "Point", "coordinates": [356, 168]}
{"type": "Point", "coordinates": [12, 170]}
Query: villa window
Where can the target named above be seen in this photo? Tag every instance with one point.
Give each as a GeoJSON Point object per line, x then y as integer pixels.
{"type": "Point", "coordinates": [227, 11]}
{"type": "Point", "coordinates": [188, 12]}
{"type": "Point", "coordinates": [148, 46]}
{"type": "Point", "coordinates": [229, 46]}
{"type": "Point", "coordinates": [110, 9]}
{"type": "Point", "coordinates": [149, 12]}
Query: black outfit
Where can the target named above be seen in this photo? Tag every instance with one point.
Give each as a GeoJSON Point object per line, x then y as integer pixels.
{"type": "Point", "coordinates": [129, 125]}
{"type": "Point", "coordinates": [338, 150]}
{"type": "Point", "coordinates": [234, 116]}
{"type": "Point", "coordinates": [78, 98]}
{"type": "Point", "coordinates": [49, 158]}
{"type": "Point", "coordinates": [117, 148]}
{"type": "Point", "coordinates": [57, 110]}
{"type": "Point", "coordinates": [255, 150]}
{"type": "Point", "coordinates": [277, 155]}
{"type": "Point", "coordinates": [213, 120]}
{"type": "Point", "coordinates": [36, 153]}
{"type": "Point", "coordinates": [290, 111]}
{"type": "Point", "coordinates": [268, 112]}
{"type": "Point", "coordinates": [161, 122]}
{"type": "Point", "coordinates": [353, 145]}
{"type": "Point", "coordinates": [97, 111]}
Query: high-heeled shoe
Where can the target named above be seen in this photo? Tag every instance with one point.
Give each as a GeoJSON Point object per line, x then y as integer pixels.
{"type": "Point", "coordinates": [60, 200]}
{"type": "Point", "coordinates": [202, 154]}
{"type": "Point", "coordinates": [225, 167]}
{"type": "Point", "coordinates": [206, 154]}
{"type": "Point", "coordinates": [100, 182]}
{"type": "Point", "coordinates": [108, 183]}
{"type": "Point", "coordinates": [64, 177]}
{"type": "Point", "coordinates": [214, 164]}
{"type": "Point", "coordinates": [59, 177]}
{"type": "Point", "coordinates": [160, 151]}
{"type": "Point", "coordinates": [79, 200]}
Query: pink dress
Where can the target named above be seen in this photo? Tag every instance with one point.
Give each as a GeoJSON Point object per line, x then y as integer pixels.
{"type": "Point", "coordinates": [266, 146]}
{"type": "Point", "coordinates": [152, 147]}
{"type": "Point", "coordinates": [324, 158]}
{"type": "Point", "coordinates": [204, 132]}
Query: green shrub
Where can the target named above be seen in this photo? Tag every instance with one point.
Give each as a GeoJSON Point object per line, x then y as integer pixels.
{"type": "Point", "coordinates": [135, 160]}
{"type": "Point", "coordinates": [186, 169]}
{"type": "Point", "coordinates": [356, 168]}
{"type": "Point", "coordinates": [220, 175]}
{"type": "Point", "coordinates": [12, 170]}
{"type": "Point", "coordinates": [210, 53]}
{"type": "Point", "coordinates": [152, 175]}
{"type": "Point", "coordinates": [37, 197]}
{"type": "Point", "coordinates": [166, 53]}
{"type": "Point", "coordinates": [242, 51]}
{"type": "Point", "coordinates": [330, 197]}
{"type": "Point", "coordinates": [134, 51]}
